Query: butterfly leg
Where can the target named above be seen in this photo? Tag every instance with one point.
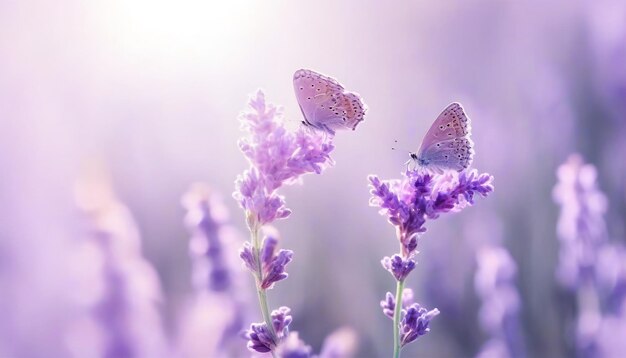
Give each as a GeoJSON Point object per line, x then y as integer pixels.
{"type": "Point", "coordinates": [408, 164]}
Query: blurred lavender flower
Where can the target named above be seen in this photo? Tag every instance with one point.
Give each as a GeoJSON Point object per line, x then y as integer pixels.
{"type": "Point", "coordinates": [210, 248]}
{"type": "Point", "coordinates": [207, 219]}
{"type": "Point", "coordinates": [589, 265]}
{"type": "Point", "coordinates": [342, 343]}
{"type": "Point", "coordinates": [277, 156]}
{"type": "Point", "coordinates": [123, 319]}
{"type": "Point", "coordinates": [417, 197]}
{"type": "Point", "coordinates": [611, 276]}
{"type": "Point", "coordinates": [582, 232]}
{"type": "Point", "coordinates": [294, 347]}
{"type": "Point", "coordinates": [408, 203]}
{"type": "Point", "coordinates": [581, 226]}
{"type": "Point", "coordinates": [339, 344]}
{"type": "Point", "coordinates": [610, 339]}
{"type": "Point", "coordinates": [607, 40]}
{"type": "Point", "coordinates": [494, 282]}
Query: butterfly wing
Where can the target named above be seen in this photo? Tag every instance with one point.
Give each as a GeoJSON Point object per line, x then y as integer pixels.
{"type": "Point", "coordinates": [447, 144]}
{"type": "Point", "coordinates": [353, 108]}
{"type": "Point", "coordinates": [324, 102]}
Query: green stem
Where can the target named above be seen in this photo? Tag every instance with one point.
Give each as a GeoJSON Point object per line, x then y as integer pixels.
{"type": "Point", "coordinates": [396, 319]}
{"type": "Point", "coordinates": [265, 311]}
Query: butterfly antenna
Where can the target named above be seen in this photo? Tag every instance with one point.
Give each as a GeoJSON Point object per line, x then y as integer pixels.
{"type": "Point", "coordinates": [396, 147]}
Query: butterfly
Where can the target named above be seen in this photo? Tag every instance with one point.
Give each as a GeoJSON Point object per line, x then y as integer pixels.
{"type": "Point", "coordinates": [447, 144]}
{"type": "Point", "coordinates": [325, 104]}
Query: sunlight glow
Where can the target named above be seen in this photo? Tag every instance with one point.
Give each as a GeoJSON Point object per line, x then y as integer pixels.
{"type": "Point", "coordinates": [178, 29]}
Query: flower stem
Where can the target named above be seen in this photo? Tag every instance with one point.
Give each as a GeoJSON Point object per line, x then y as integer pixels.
{"type": "Point", "coordinates": [265, 311]}
{"type": "Point", "coordinates": [396, 319]}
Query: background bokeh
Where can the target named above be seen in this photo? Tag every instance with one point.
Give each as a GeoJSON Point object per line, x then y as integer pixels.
{"type": "Point", "coordinates": [151, 91]}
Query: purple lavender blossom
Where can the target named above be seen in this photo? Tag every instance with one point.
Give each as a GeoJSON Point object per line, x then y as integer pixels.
{"type": "Point", "coordinates": [339, 344]}
{"type": "Point", "coordinates": [275, 268]}
{"type": "Point", "coordinates": [499, 312]}
{"type": "Point", "coordinates": [417, 197]}
{"type": "Point", "coordinates": [281, 319]}
{"type": "Point", "coordinates": [277, 156]}
{"type": "Point", "coordinates": [398, 267]}
{"type": "Point", "coordinates": [262, 207]}
{"type": "Point", "coordinates": [273, 263]}
{"type": "Point", "coordinates": [415, 323]}
{"type": "Point", "coordinates": [408, 203]}
{"type": "Point", "coordinates": [260, 338]}
{"type": "Point", "coordinates": [247, 256]}
{"type": "Point", "coordinates": [389, 303]}
{"type": "Point", "coordinates": [581, 226]}
{"type": "Point", "coordinates": [414, 318]}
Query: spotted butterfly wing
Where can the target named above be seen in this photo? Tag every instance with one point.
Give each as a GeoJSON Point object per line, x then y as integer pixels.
{"type": "Point", "coordinates": [325, 104]}
{"type": "Point", "coordinates": [447, 144]}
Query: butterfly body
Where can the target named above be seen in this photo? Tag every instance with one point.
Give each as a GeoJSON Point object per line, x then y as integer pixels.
{"type": "Point", "coordinates": [447, 144]}
{"type": "Point", "coordinates": [325, 104]}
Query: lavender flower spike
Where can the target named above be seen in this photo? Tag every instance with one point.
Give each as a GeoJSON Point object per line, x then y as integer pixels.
{"type": "Point", "coordinates": [408, 203]}
{"type": "Point", "coordinates": [277, 157]}
{"type": "Point", "coordinates": [581, 226]}
{"type": "Point", "coordinates": [123, 290]}
{"type": "Point", "coordinates": [499, 312]}
{"type": "Point", "coordinates": [581, 230]}
{"type": "Point", "coordinates": [590, 265]}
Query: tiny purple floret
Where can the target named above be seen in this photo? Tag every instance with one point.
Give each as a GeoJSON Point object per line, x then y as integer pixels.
{"type": "Point", "coordinates": [259, 336]}
{"type": "Point", "coordinates": [398, 267]}
{"type": "Point", "coordinates": [415, 323]}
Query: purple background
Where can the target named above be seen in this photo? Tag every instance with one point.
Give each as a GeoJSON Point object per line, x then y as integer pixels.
{"type": "Point", "coordinates": [152, 90]}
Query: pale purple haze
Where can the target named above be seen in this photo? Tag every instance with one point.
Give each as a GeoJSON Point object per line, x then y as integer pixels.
{"type": "Point", "coordinates": [151, 90]}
